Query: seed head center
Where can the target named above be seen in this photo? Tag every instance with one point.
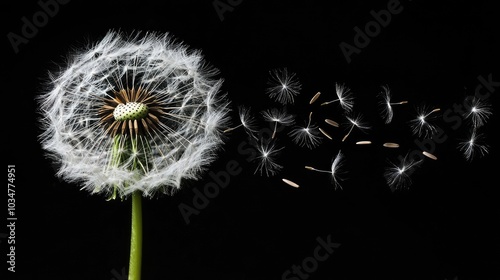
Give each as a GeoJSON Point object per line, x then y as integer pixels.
{"type": "Point", "coordinates": [130, 111]}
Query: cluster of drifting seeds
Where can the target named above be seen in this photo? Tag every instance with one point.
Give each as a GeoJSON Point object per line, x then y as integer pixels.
{"type": "Point", "coordinates": [284, 86]}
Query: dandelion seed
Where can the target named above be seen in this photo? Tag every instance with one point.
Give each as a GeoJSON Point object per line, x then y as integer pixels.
{"type": "Point", "coordinates": [478, 111]}
{"type": "Point", "coordinates": [335, 170]}
{"type": "Point", "coordinates": [344, 97]}
{"type": "Point", "coordinates": [363, 142]}
{"type": "Point", "coordinates": [391, 145]}
{"type": "Point", "coordinates": [325, 133]}
{"type": "Point", "coordinates": [293, 184]}
{"type": "Point", "coordinates": [474, 146]}
{"type": "Point", "coordinates": [247, 121]}
{"type": "Point", "coordinates": [429, 155]}
{"type": "Point", "coordinates": [398, 176]}
{"type": "Point", "coordinates": [356, 121]}
{"type": "Point", "coordinates": [140, 113]}
{"type": "Point", "coordinates": [267, 159]}
{"type": "Point", "coordinates": [276, 116]}
{"type": "Point", "coordinates": [306, 136]}
{"type": "Point", "coordinates": [332, 123]}
{"type": "Point", "coordinates": [386, 104]}
{"type": "Point", "coordinates": [421, 126]}
{"type": "Point", "coordinates": [315, 97]}
{"type": "Point", "coordinates": [283, 86]}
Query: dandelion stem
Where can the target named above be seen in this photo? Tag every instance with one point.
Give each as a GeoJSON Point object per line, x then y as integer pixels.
{"type": "Point", "coordinates": [136, 238]}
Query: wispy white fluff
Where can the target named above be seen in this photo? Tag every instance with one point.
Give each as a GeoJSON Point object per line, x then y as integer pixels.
{"type": "Point", "coordinates": [267, 154]}
{"type": "Point", "coordinates": [283, 86]}
{"type": "Point", "coordinates": [344, 97]}
{"type": "Point", "coordinates": [307, 135]}
{"type": "Point", "coordinates": [182, 146]}
{"type": "Point", "coordinates": [478, 110]}
{"type": "Point", "coordinates": [386, 104]}
{"type": "Point", "coordinates": [474, 146]}
{"type": "Point", "coordinates": [397, 176]}
{"type": "Point", "coordinates": [422, 125]}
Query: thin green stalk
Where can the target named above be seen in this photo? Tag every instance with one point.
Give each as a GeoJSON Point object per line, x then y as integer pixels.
{"type": "Point", "coordinates": [136, 238]}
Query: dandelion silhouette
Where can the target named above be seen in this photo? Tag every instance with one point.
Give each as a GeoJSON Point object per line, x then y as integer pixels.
{"type": "Point", "coordinates": [133, 116]}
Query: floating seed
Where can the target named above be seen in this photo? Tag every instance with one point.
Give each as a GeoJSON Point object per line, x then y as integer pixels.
{"type": "Point", "coordinates": [290, 183]}
{"type": "Point", "coordinates": [326, 134]}
{"type": "Point", "coordinates": [332, 123]}
{"type": "Point", "coordinates": [429, 155]}
{"type": "Point", "coordinates": [315, 97]}
{"type": "Point", "coordinates": [391, 145]}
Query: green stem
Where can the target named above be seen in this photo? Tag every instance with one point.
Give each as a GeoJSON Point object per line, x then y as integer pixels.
{"type": "Point", "coordinates": [136, 238]}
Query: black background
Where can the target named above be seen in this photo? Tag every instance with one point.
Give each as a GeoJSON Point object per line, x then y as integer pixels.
{"type": "Point", "coordinates": [444, 226]}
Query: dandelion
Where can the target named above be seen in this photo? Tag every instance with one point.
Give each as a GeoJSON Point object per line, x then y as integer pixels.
{"type": "Point", "coordinates": [478, 111]}
{"type": "Point", "coordinates": [283, 86]}
{"type": "Point", "coordinates": [474, 146]}
{"type": "Point", "coordinates": [278, 116]}
{"type": "Point", "coordinates": [344, 97]}
{"type": "Point", "coordinates": [325, 133]}
{"type": "Point", "coordinates": [398, 176]}
{"type": "Point", "coordinates": [386, 104]}
{"type": "Point", "coordinates": [267, 158]}
{"type": "Point", "coordinates": [421, 125]}
{"type": "Point", "coordinates": [391, 145]}
{"type": "Point", "coordinates": [429, 155]}
{"type": "Point", "coordinates": [133, 116]}
{"type": "Point", "coordinates": [315, 97]}
{"type": "Point", "coordinates": [247, 121]}
{"type": "Point", "coordinates": [335, 169]}
{"type": "Point", "coordinates": [291, 183]}
{"type": "Point", "coordinates": [332, 122]}
{"type": "Point", "coordinates": [306, 136]}
{"type": "Point", "coordinates": [356, 121]}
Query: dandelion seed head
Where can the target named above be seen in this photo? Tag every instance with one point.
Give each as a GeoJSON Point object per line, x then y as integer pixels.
{"type": "Point", "coordinates": [386, 104]}
{"type": "Point", "coordinates": [267, 154]}
{"type": "Point", "coordinates": [283, 86]}
{"type": "Point", "coordinates": [133, 113]}
{"type": "Point", "coordinates": [387, 111]}
{"type": "Point", "coordinates": [357, 121]}
{"type": "Point", "coordinates": [398, 175]}
{"type": "Point", "coordinates": [307, 136]}
{"type": "Point", "coordinates": [278, 116]}
{"type": "Point", "coordinates": [336, 169]}
{"type": "Point", "coordinates": [345, 97]}
{"type": "Point", "coordinates": [474, 146]}
{"type": "Point", "coordinates": [420, 125]}
{"type": "Point", "coordinates": [479, 112]}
